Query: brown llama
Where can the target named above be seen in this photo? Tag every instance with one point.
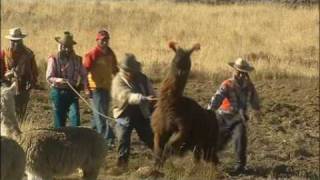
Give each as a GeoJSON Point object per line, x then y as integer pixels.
{"type": "Point", "coordinates": [178, 122]}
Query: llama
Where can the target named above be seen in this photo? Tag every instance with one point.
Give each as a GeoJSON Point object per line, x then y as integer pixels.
{"type": "Point", "coordinates": [178, 122]}
{"type": "Point", "coordinates": [13, 160]}
{"type": "Point", "coordinates": [53, 152]}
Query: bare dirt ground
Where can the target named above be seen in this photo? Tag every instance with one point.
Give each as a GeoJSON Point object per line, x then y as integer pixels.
{"type": "Point", "coordinates": [285, 144]}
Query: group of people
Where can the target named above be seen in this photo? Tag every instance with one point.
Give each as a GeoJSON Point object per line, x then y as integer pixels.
{"type": "Point", "coordinates": [133, 97]}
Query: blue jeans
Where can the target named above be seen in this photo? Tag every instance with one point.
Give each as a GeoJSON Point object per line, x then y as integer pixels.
{"type": "Point", "coordinates": [131, 119]}
{"type": "Point", "coordinates": [65, 101]}
{"type": "Point", "coordinates": [100, 101]}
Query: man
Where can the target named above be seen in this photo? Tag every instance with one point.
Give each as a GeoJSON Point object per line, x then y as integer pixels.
{"type": "Point", "coordinates": [231, 101]}
{"type": "Point", "coordinates": [19, 60]}
{"type": "Point", "coordinates": [63, 67]}
{"type": "Point", "coordinates": [133, 96]}
{"type": "Point", "coordinates": [101, 64]}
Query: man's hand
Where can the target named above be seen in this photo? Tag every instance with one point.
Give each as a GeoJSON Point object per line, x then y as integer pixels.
{"type": "Point", "coordinates": [88, 93]}
{"type": "Point", "coordinates": [151, 98]}
{"type": "Point", "coordinates": [61, 81]}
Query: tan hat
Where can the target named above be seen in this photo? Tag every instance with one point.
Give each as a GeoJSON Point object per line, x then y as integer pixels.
{"type": "Point", "coordinates": [67, 39]}
{"type": "Point", "coordinates": [130, 63]}
{"type": "Point", "coordinates": [15, 34]}
{"type": "Point", "coordinates": [242, 65]}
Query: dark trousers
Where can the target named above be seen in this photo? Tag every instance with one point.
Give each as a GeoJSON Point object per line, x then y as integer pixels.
{"type": "Point", "coordinates": [131, 119]}
{"type": "Point", "coordinates": [21, 102]}
{"type": "Point", "coordinates": [234, 128]}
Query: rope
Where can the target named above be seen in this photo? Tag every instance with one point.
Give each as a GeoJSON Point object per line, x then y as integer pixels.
{"type": "Point", "coordinates": [88, 104]}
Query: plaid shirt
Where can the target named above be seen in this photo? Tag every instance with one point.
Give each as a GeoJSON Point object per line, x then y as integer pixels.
{"type": "Point", "coordinates": [70, 69]}
{"type": "Point", "coordinates": [230, 98]}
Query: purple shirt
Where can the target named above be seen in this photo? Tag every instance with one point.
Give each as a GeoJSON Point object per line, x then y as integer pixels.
{"type": "Point", "coordinates": [70, 69]}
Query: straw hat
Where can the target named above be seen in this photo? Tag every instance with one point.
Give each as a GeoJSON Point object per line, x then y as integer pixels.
{"type": "Point", "coordinates": [130, 63]}
{"type": "Point", "coordinates": [67, 39]}
{"type": "Point", "coordinates": [242, 65]}
{"type": "Point", "coordinates": [15, 34]}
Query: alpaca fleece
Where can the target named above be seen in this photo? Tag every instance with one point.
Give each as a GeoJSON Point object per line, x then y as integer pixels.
{"type": "Point", "coordinates": [13, 160]}
{"type": "Point", "coordinates": [53, 152]}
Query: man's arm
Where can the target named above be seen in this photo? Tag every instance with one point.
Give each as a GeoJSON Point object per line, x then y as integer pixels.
{"type": "Point", "coordinates": [34, 71]}
{"type": "Point", "coordinates": [254, 99]}
{"type": "Point", "coordinates": [219, 96]}
{"type": "Point", "coordinates": [255, 103]}
{"type": "Point", "coordinates": [51, 76]}
{"type": "Point", "coordinates": [83, 75]}
{"type": "Point", "coordinates": [114, 62]}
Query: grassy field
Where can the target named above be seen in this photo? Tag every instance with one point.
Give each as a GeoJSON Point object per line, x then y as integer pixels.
{"type": "Point", "coordinates": [280, 41]}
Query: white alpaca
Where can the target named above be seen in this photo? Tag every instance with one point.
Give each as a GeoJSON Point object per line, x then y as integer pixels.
{"type": "Point", "coordinates": [53, 152]}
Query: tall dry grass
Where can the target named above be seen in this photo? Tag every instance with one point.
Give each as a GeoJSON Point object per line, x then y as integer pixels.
{"type": "Point", "coordinates": [280, 41]}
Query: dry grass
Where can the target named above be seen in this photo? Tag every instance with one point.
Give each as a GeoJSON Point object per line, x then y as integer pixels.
{"type": "Point", "coordinates": [281, 41]}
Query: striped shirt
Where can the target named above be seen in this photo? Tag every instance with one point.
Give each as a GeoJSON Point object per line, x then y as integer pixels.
{"type": "Point", "coordinates": [70, 69]}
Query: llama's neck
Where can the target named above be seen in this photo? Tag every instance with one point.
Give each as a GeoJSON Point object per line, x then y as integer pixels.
{"type": "Point", "coordinates": [173, 86]}
{"type": "Point", "coordinates": [9, 123]}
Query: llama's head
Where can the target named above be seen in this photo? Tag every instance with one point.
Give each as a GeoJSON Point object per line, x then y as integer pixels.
{"type": "Point", "coordinates": [181, 63]}
{"type": "Point", "coordinates": [7, 95]}
{"type": "Point", "coordinates": [179, 70]}
{"type": "Point", "coordinates": [9, 124]}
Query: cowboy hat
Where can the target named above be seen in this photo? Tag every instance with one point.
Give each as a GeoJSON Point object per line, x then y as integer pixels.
{"type": "Point", "coordinates": [130, 63]}
{"type": "Point", "coordinates": [15, 34]}
{"type": "Point", "coordinates": [67, 39]}
{"type": "Point", "coordinates": [242, 65]}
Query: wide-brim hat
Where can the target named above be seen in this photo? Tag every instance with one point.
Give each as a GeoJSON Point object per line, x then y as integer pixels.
{"type": "Point", "coordinates": [130, 63]}
{"type": "Point", "coordinates": [15, 34]}
{"type": "Point", "coordinates": [242, 65]}
{"type": "Point", "coordinates": [67, 39]}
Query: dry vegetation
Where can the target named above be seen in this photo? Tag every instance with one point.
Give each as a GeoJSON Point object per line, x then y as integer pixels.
{"type": "Point", "coordinates": [282, 42]}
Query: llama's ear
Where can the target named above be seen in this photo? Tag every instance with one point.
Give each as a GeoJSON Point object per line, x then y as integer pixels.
{"type": "Point", "coordinates": [173, 45]}
{"type": "Point", "coordinates": [195, 47]}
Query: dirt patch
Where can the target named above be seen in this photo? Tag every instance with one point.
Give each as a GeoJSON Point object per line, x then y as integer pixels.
{"type": "Point", "coordinates": [285, 144]}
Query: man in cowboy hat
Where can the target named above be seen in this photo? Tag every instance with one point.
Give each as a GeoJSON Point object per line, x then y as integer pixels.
{"type": "Point", "coordinates": [65, 66]}
{"type": "Point", "coordinates": [20, 62]}
{"type": "Point", "coordinates": [230, 101]}
{"type": "Point", "coordinates": [132, 97]}
{"type": "Point", "coordinates": [101, 64]}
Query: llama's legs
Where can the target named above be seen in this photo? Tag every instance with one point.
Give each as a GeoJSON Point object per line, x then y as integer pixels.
{"type": "Point", "coordinates": [174, 143]}
{"type": "Point", "coordinates": [210, 155]}
{"type": "Point", "coordinates": [159, 142]}
{"type": "Point", "coordinates": [196, 155]}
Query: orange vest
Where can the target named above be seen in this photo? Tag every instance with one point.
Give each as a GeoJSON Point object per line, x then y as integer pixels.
{"type": "Point", "coordinates": [226, 105]}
